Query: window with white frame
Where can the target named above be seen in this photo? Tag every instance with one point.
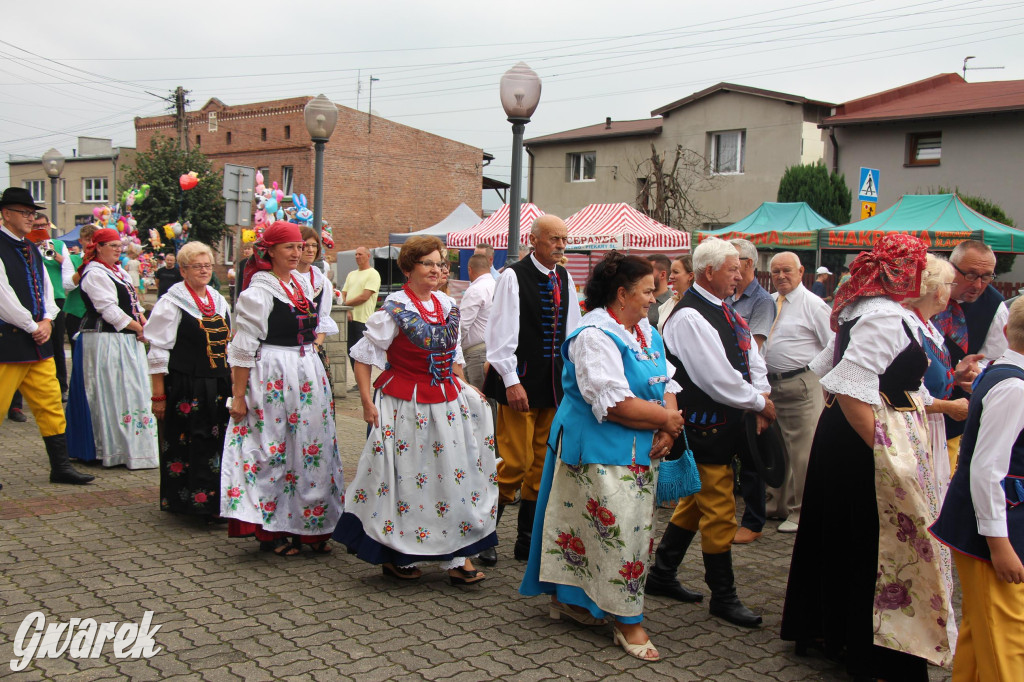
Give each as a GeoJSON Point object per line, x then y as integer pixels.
{"type": "Point", "coordinates": [581, 166]}
{"type": "Point", "coordinates": [37, 188]}
{"type": "Point", "coordinates": [727, 151]}
{"type": "Point", "coordinates": [62, 195]}
{"type": "Point", "coordinates": [924, 149]}
{"type": "Point", "coordinates": [211, 122]}
{"type": "Point", "coordinates": [94, 190]}
{"type": "Point", "coordinates": [286, 179]}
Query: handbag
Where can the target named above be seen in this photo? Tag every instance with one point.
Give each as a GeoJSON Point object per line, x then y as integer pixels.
{"type": "Point", "coordinates": [678, 477]}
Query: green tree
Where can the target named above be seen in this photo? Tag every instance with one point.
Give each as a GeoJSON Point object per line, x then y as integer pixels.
{"type": "Point", "coordinates": [824, 192]}
{"type": "Point", "coordinates": [989, 209]}
{"type": "Point", "coordinates": [160, 167]}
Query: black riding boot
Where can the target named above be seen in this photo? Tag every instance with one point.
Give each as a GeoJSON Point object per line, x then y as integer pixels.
{"type": "Point", "coordinates": [489, 557]}
{"type": "Point", "coordinates": [662, 578]}
{"type": "Point", "coordinates": [61, 470]}
{"type": "Point", "coordinates": [524, 533]}
{"type": "Point", "coordinates": [724, 602]}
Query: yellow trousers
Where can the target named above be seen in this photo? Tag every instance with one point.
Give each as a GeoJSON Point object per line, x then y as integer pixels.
{"type": "Point", "coordinates": [953, 447]}
{"type": "Point", "coordinates": [712, 511]}
{"type": "Point", "coordinates": [38, 384]}
{"type": "Point", "coordinates": [990, 647]}
{"type": "Point", "coordinates": [522, 443]}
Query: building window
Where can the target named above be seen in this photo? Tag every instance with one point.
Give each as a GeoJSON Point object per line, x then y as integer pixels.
{"type": "Point", "coordinates": [727, 151]}
{"type": "Point", "coordinates": [266, 174]}
{"type": "Point", "coordinates": [229, 137]}
{"type": "Point", "coordinates": [199, 139]}
{"type": "Point", "coordinates": [211, 122]}
{"type": "Point", "coordinates": [62, 195]}
{"type": "Point", "coordinates": [286, 179]}
{"type": "Point", "coordinates": [287, 132]}
{"type": "Point", "coordinates": [37, 188]}
{"type": "Point", "coordinates": [924, 149]}
{"type": "Point", "coordinates": [263, 134]}
{"type": "Point", "coordinates": [94, 190]}
{"type": "Point", "coordinates": [581, 166]}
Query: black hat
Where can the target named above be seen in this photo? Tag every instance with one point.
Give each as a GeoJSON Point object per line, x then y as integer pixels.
{"type": "Point", "coordinates": [767, 451]}
{"type": "Point", "coordinates": [18, 196]}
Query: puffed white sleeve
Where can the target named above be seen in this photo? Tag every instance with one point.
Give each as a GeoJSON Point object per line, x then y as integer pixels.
{"type": "Point", "coordinates": [161, 331]}
{"type": "Point", "coordinates": [103, 294]}
{"type": "Point", "coordinates": [252, 310]}
{"type": "Point", "coordinates": [326, 324]}
{"type": "Point", "coordinates": [67, 272]}
{"type": "Point", "coordinates": [372, 349]}
{"type": "Point", "coordinates": [875, 341]}
{"type": "Point", "coordinates": [599, 373]}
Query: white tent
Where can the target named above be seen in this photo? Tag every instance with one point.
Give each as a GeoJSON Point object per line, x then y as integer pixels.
{"type": "Point", "coordinates": [460, 219]}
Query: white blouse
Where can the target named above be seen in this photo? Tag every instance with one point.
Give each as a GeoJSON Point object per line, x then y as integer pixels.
{"type": "Point", "coordinates": [252, 313]}
{"type": "Point", "coordinates": [875, 341]}
{"type": "Point", "coordinates": [381, 330]}
{"type": "Point", "coordinates": [326, 324]}
{"type": "Point", "coordinates": [161, 328]}
{"type": "Point", "coordinates": [98, 283]}
{"type": "Point", "coordinates": [599, 372]}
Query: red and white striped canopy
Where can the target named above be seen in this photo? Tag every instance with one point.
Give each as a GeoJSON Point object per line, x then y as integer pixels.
{"type": "Point", "coordinates": [601, 227]}
{"type": "Point", "coordinates": [494, 229]}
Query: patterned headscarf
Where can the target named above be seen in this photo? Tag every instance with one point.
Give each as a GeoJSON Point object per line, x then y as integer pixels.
{"type": "Point", "coordinates": [281, 232]}
{"type": "Point", "coordinates": [103, 236]}
{"type": "Point", "coordinates": [893, 268]}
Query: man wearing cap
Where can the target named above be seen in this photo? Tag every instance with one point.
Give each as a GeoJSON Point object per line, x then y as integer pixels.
{"type": "Point", "coordinates": [819, 289]}
{"type": "Point", "coordinates": [723, 377]}
{"type": "Point", "coordinates": [27, 310]}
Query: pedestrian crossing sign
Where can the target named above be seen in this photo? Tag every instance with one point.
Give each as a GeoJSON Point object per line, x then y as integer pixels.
{"type": "Point", "coordinates": [868, 185]}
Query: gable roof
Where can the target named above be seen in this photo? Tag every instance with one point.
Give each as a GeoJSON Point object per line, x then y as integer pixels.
{"type": "Point", "coordinates": [744, 89]}
{"type": "Point", "coordinates": [607, 130]}
{"type": "Point", "coordinates": [941, 96]}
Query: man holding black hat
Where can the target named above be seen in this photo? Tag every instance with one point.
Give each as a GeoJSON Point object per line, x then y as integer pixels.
{"type": "Point", "coordinates": [723, 378]}
{"type": "Point", "coordinates": [27, 311]}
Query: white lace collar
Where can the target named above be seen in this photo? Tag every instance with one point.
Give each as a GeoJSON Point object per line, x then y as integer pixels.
{"type": "Point", "coordinates": [876, 304]}
{"type": "Point", "coordinates": [267, 281]}
{"type": "Point", "coordinates": [180, 296]}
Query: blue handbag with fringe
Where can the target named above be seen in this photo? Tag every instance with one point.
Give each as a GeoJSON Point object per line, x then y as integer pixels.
{"type": "Point", "coordinates": [678, 477]}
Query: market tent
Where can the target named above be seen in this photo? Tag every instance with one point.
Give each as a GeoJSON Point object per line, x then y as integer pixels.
{"type": "Point", "coordinates": [789, 225]}
{"type": "Point", "coordinates": [493, 230]}
{"type": "Point", "coordinates": [461, 218]}
{"type": "Point", "coordinates": [71, 238]}
{"type": "Point", "coordinates": [602, 227]}
{"type": "Point", "coordinates": [941, 220]}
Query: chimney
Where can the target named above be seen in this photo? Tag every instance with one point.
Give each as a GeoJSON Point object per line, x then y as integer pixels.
{"type": "Point", "coordinates": [608, 123]}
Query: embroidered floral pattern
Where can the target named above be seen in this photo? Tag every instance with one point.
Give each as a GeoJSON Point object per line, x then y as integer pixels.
{"type": "Point", "coordinates": [572, 552]}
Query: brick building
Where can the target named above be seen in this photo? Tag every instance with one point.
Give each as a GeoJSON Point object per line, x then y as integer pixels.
{"type": "Point", "coordinates": [378, 179]}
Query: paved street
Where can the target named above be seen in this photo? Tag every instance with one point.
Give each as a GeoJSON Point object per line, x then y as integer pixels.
{"type": "Point", "coordinates": [228, 612]}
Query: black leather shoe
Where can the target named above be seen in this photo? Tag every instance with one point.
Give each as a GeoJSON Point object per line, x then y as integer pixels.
{"type": "Point", "coordinates": [672, 589]}
{"type": "Point", "coordinates": [488, 557]}
{"type": "Point", "coordinates": [16, 415]}
{"type": "Point", "coordinates": [61, 470]}
{"type": "Point", "coordinates": [725, 604]}
{"type": "Point", "coordinates": [662, 579]}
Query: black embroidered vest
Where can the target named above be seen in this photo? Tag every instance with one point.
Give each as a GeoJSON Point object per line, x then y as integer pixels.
{"type": "Point", "coordinates": [26, 275]}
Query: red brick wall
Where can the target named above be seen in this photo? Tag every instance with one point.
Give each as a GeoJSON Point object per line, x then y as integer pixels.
{"type": "Point", "coordinates": [392, 178]}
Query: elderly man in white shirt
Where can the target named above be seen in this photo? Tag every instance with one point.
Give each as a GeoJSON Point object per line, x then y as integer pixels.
{"type": "Point", "coordinates": [476, 309]}
{"type": "Point", "coordinates": [800, 332]}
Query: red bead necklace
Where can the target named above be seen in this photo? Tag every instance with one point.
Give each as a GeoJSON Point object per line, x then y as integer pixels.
{"type": "Point", "coordinates": [436, 316]}
{"type": "Point", "coordinates": [636, 329]}
{"type": "Point", "coordinates": [298, 298]}
{"type": "Point", "coordinates": [207, 309]}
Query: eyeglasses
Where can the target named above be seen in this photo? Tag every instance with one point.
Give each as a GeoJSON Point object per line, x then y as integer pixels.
{"type": "Point", "coordinates": [310, 247]}
{"type": "Point", "coordinates": [201, 268]}
{"type": "Point", "coordinates": [428, 264]}
{"type": "Point", "coordinates": [974, 277]}
{"type": "Point", "coordinates": [27, 214]}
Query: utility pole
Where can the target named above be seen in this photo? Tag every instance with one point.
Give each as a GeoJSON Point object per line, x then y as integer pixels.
{"type": "Point", "coordinates": [369, 109]}
{"type": "Point", "coordinates": [359, 86]}
{"type": "Point", "coordinates": [180, 102]}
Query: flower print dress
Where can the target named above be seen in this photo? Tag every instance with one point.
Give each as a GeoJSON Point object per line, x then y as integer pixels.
{"type": "Point", "coordinates": [281, 471]}
{"type": "Point", "coordinates": [323, 301]}
{"type": "Point", "coordinates": [426, 485]}
{"type": "Point", "coordinates": [596, 504]}
{"type": "Point", "coordinates": [866, 578]}
{"type": "Point", "coordinates": [190, 348]}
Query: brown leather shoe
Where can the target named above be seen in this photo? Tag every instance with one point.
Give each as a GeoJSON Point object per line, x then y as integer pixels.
{"type": "Point", "coordinates": [745, 536]}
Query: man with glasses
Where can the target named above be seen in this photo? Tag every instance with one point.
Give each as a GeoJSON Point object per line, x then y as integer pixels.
{"type": "Point", "coordinates": [27, 311]}
{"type": "Point", "coordinates": [360, 292]}
{"type": "Point", "coordinates": [972, 322]}
{"type": "Point", "coordinates": [535, 307]}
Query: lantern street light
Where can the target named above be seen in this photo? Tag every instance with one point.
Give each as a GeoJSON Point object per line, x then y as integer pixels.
{"type": "Point", "coordinates": [53, 164]}
{"type": "Point", "coordinates": [520, 94]}
{"type": "Point", "coordinates": [321, 115]}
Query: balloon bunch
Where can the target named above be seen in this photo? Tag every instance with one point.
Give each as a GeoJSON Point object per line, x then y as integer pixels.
{"type": "Point", "coordinates": [268, 204]}
{"type": "Point", "coordinates": [327, 235]}
{"type": "Point", "coordinates": [110, 217]}
{"type": "Point", "coordinates": [302, 214]}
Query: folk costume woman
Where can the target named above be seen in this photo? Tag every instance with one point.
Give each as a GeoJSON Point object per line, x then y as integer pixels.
{"type": "Point", "coordinates": [188, 334]}
{"type": "Point", "coordinates": [281, 474]}
{"type": "Point", "coordinates": [323, 296]}
{"type": "Point", "coordinates": [112, 395]}
{"type": "Point", "coordinates": [867, 583]}
{"type": "Point", "coordinates": [594, 523]}
{"type": "Point", "coordinates": [426, 485]}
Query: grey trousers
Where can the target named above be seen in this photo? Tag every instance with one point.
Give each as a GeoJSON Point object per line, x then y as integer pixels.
{"type": "Point", "coordinates": [798, 404]}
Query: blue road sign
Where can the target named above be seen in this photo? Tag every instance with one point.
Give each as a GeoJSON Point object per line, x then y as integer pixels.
{"type": "Point", "coordinates": [868, 184]}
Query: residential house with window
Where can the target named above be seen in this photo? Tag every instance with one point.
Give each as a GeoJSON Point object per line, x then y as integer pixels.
{"type": "Point", "coordinates": [90, 176]}
{"type": "Point", "coordinates": [744, 137]}
{"type": "Point", "coordinates": [938, 132]}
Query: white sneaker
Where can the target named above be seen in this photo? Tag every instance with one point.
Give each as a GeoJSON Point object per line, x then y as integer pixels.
{"type": "Point", "coordinates": [788, 527]}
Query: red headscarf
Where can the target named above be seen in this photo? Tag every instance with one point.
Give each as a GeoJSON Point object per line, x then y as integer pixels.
{"type": "Point", "coordinates": [893, 268]}
{"type": "Point", "coordinates": [281, 232]}
{"type": "Point", "coordinates": [103, 236]}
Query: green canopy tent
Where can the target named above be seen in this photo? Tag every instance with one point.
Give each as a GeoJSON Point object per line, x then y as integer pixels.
{"type": "Point", "coordinates": [941, 220]}
{"type": "Point", "coordinates": [774, 225]}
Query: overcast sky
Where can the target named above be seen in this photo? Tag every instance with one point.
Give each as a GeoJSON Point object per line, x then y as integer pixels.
{"type": "Point", "coordinates": [86, 68]}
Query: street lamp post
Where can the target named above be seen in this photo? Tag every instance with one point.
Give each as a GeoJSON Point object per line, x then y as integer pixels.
{"type": "Point", "coordinates": [520, 94]}
{"type": "Point", "coordinates": [53, 164]}
{"type": "Point", "coordinates": [321, 115]}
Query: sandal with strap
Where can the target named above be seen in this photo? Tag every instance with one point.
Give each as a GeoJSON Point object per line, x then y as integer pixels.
{"type": "Point", "coordinates": [557, 609]}
{"type": "Point", "coordinates": [645, 652]}
{"type": "Point", "coordinates": [320, 547]}
{"type": "Point", "coordinates": [280, 546]}
{"type": "Point", "coordinates": [465, 577]}
{"type": "Point", "coordinates": [402, 573]}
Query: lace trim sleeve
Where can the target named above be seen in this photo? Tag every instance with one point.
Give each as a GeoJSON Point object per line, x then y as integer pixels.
{"type": "Point", "coordinates": [368, 353]}
{"type": "Point", "coordinates": [848, 378]}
